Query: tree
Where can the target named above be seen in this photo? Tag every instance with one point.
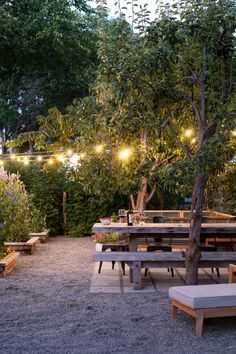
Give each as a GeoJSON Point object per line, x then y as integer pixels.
{"type": "Point", "coordinates": [48, 59]}
{"type": "Point", "coordinates": [179, 73]}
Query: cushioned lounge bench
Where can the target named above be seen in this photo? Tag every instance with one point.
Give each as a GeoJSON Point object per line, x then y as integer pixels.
{"type": "Point", "coordinates": [204, 301]}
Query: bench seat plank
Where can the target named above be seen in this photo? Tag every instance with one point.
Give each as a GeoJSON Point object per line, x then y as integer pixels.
{"type": "Point", "coordinates": [138, 260]}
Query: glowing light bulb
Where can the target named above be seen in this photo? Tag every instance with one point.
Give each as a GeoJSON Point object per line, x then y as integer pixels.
{"type": "Point", "coordinates": [82, 155]}
{"type": "Point", "coordinates": [13, 156]}
{"type": "Point", "coordinates": [193, 141]}
{"type": "Point", "coordinates": [233, 133]}
{"type": "Point", "coordinates": [60, 157]}
{"type": "Point", "coordinates": [39, 158]}
{"type": "Point", "coordinates": [124, 154]}
{"type": "Point", "coordinates": [18, 159]}
{"type": "Point", "coordinates": [99, 148]}
{"type": "Point", "coordinates": [1, 163]}
{"type": "Point", "coordinates": [25, 159]}
{"type": "Point", "coordinates": [26, 162]}
{"type": "Point", "coordinates": [50, 161]}
{"type": "Point", "coordinates": [188, 133]}
{"type": "Point", "coordinates": [69, 152]}
{"type": "Point", "coordinates": [74, 159]}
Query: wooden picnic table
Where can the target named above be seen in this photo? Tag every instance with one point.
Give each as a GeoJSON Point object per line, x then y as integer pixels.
{"type": "Point", "coordinates": [173, 230]}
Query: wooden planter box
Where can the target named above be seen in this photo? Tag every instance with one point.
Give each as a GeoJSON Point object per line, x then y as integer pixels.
{"type": "Point", "coordinates": [43, 236]}
{"type": "Point", "coordinates": [8, 263]}
{"type": "Point", "coordinates": [28, 246]}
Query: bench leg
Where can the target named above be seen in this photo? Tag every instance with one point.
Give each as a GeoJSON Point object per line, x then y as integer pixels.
{"type": "Point", "coordinates": [199, 322]}
{"type": "Point", "coordinates": [137, 275]}
{"type": "Point", "coordinates": [174, 311]}
{"type": "Point", "coordinates": [123, 267]}
{"type": "Point", "coordinates": [100, 267]}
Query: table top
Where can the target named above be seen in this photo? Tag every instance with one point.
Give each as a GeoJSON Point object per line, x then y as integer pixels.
{"type": "Point", "coordinates": [165, 228]}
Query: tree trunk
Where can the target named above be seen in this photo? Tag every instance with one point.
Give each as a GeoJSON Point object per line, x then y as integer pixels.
{"type": "Point", "coordinates": [193, 253]}
{"type": "Point", "coordinates": [142, 196]}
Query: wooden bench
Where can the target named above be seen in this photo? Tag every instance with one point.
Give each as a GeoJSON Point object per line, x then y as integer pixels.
{"type": "Point", "coordinates": [8, 263]}
{"type": "Point", "coordinates": [28, 246]}
{"type": "Point", "coordinates": [43, 236]}
{"type": "Point", "coordinates": [138, 260]}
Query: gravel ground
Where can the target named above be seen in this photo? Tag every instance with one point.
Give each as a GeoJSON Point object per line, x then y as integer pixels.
{"type": "Point", "coordinates": [46, 307]}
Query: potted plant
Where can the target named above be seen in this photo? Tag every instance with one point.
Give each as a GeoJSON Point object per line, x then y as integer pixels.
{"type": "Point", "coordinates": [105, 238]}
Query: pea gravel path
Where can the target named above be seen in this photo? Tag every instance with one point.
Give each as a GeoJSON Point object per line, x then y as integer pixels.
{"type": "Point", "coordinates": [46, 307]}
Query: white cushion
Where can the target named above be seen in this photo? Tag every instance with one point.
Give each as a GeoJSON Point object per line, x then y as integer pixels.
{"type": "Point", "coordinates": [205, 296]}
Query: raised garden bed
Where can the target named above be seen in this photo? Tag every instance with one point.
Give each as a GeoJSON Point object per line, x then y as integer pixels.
{"type": "Point", "coordinates": [43, 236]}
{"type": "Point", "coordinates": [28, 246]}
{"type": "Point", "coordinates": [8, 263]}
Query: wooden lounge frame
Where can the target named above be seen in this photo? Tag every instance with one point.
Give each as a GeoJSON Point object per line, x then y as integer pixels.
{"type": "Point", "coordinates": [8, 263]}
{"type": "Point", "coordinates": [201, 314]}
{"type": "Point", "coordinates": [232, 273]}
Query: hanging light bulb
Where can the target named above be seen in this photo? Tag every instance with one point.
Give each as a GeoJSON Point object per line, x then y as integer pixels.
{"type": "Point", "coordinates": [69, 152]}
{"type": "Point", "coordinates": [99, 148]}
{"type": "Point", "coordinates": [188, 133]}
{"type": "Point", "coordinates": [74, 159]}
{"type": "Point", "coordinates": [13, 156]}
{"type": "Point", "coordinates": [50, 161]}
{"type": "Point", "coordinates": [82, 155]}
{"type": "Point", "coordinates": [60, 157]}
{"type": "Point", "coordinates": [124, 154]}
{"type": "Point", "coordinates": [39, 158]}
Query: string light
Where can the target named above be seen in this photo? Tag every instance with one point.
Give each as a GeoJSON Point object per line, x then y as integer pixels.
{"type": "Point", "coordinates": [74, 159]}
{"type": "Point", "coordinates": [39, 158]}
{"type": "Point", "coordinates": [60, 158]}
{"type": "Point", "coordinates": [69, 152]}
{"type": "Point", "coordinates": [13, 156]}
{"type": "Point", "coordinates": [188, 133]}
{"type": "Point", "coordinates": [124, 154]}
{"type": "Point", "coordinates": [99, 148]}
{"type": "Point", "coordinates": [50, 161]}
{"type": "Point", "coordinates": [193, 141]}
{"type": "Point", "coordinates": [1, 163]}
{"type": "Point", "coordinates": [82, 155]}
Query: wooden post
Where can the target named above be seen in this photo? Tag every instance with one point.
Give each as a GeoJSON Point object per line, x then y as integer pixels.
{"type": "Point", "coordinates": [137, 275]}
{"type": "Point", "coordinates": [64, 211]}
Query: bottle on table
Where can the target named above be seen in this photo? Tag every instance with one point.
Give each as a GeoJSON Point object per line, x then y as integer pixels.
{"type": "Point", "coordinates": [130, 217]}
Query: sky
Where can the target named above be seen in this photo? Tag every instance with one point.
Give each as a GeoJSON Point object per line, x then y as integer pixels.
{"type": "Point", "coordinates": [151, 6]}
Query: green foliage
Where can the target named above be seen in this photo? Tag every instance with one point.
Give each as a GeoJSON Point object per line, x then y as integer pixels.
{"type": "Point", "coordinates": [18, 215]}
{"type": "Point", "coordinates": [48, 59]}
{"type": "Point", "coordinates": [45, 188]}
{"type": "Point", "coordinates": [84, 210]}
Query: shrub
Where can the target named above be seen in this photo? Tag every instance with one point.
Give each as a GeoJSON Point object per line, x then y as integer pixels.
{"type": "Point", "coordinates": [17, 212]}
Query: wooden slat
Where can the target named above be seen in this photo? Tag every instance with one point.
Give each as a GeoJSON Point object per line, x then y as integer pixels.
{"type": "Point", "coordinates": [166, 228]}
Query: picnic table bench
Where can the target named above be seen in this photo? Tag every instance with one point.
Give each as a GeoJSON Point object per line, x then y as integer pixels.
{"type": "Point", "coordinates": [138, 260]}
